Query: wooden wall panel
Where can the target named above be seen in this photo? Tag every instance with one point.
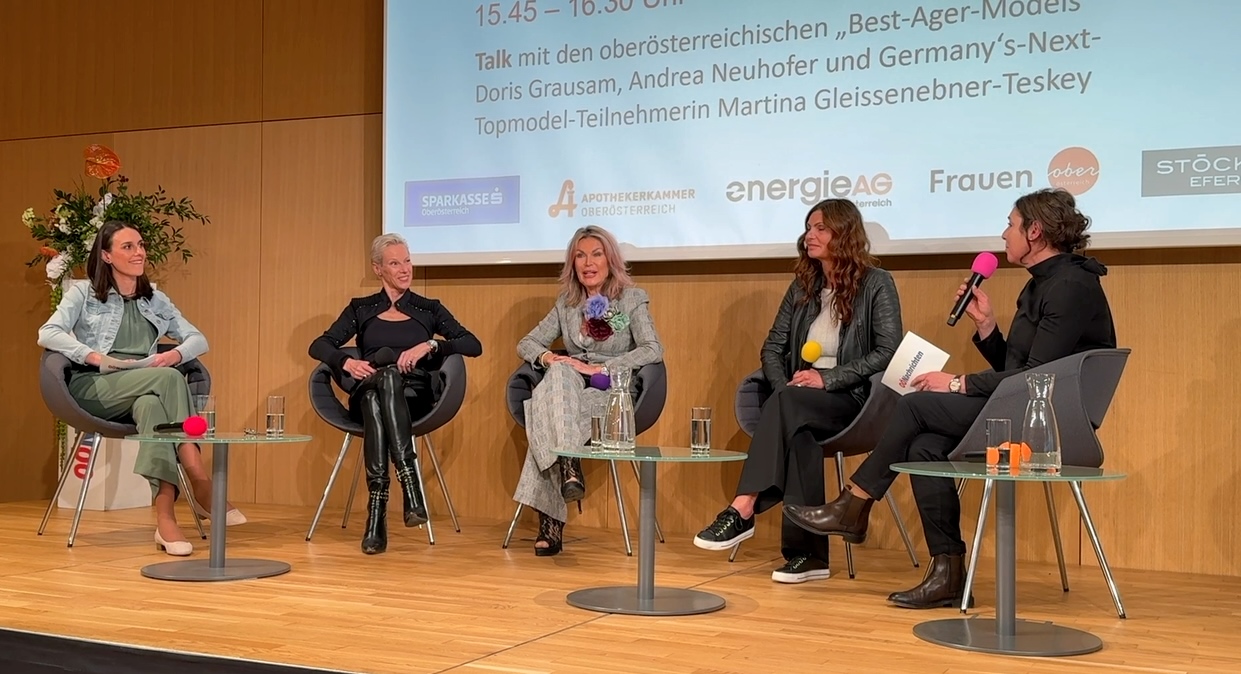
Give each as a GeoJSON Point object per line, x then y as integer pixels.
{"type": "Point", "coordinates": [27, 449]}
{"type": "Point", "coordinates": [321, 208]}
{"type": "Point", "coordinates": [218, 168]}
{"type": "Point", "coordinates": [322, 58]}
{"type": "Point", "coordinates": [88, 67]}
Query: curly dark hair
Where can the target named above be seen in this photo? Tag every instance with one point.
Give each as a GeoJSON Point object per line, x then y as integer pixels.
{"type": "Point", "coordinates": [1055, 210]}
{"type": "Point", "coordinates": [850, 257]}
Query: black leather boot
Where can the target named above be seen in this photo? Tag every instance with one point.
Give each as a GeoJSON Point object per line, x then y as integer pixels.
{"type": "Point", "coordinates": [375, 539]}
{"type": "Point", "coordinates": [375, 456]}
{"type": "Point", "coordinates": [848, 517]}
{"type": "Point", "coordinates": [401, 444]}
{"type": "Point", "coordinates": [942, 586]}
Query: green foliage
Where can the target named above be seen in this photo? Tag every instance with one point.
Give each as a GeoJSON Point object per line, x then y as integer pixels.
{"type": "Point", "coordinates": [68, 232]}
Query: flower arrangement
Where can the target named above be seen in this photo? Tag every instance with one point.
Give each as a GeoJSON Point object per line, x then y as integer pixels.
{"type": "Point", "coordinates": [602, 318]}
{"type": "Point", "coordinates": [68, 233]}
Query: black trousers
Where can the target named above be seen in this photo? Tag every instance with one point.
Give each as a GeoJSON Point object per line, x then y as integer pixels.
{"type": "Point", "coordinates": [785, 462]}
{"type": "Point", "coordinates": [924, 427]}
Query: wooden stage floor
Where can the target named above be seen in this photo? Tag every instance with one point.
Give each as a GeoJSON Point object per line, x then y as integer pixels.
{"type": "Point", "coordinates": [466, 606]}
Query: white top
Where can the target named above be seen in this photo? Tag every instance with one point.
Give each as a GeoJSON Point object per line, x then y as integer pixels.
{"type": "Point", "coordinates": [826, 331]}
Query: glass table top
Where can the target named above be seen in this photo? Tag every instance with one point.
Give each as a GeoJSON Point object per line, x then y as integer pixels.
{"type": "Point", "coordinates": [668, 454]}
{"type": "Point", "coordinates": [220, 438]}
{"type": "Point", "coordinates": [970, 470]}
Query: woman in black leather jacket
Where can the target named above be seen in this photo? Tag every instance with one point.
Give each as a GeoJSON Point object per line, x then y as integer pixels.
{"type": "Point", "coordinates": [848, 308]}
{"type": "Point", "coordinates": [396, 333]}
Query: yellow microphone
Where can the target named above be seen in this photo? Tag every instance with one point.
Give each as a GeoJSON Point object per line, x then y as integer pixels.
{"type": "Point", "coordinates": [811, 352]}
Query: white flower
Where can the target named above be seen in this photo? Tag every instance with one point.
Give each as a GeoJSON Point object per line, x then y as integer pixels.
{"type": "Point", "coordinates": [103, 204]}
{"type": "Point", "coordinates": [96, 221]}
{"type": "Point", "coordinates": [62, 211]}
{"type": "Point", "coordinates": [63, 225]}
{"type": "Point", "coordinates": [56, 267]}
{"type": "Point", "coordinates": [29, 218]}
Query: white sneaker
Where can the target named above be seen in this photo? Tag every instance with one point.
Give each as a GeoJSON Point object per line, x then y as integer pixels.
{"type": "Point", "coordinates": [801, 569]}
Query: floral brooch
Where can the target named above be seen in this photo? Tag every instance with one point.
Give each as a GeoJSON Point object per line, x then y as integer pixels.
{"type": "Point", "coordinates": [602, 319]}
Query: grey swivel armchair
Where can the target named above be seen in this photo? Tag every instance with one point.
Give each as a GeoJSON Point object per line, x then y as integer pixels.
{"type": "Point", "coordinates": [859, 437]}
{"type": "Point", "coordinates": [54, 371]}
{"type": "Point", "coordinates": [651, 387]}
{"type": "Point", "coordinates": [450, 393]}
{"type": "Point", "coordinates": [1085, 385]}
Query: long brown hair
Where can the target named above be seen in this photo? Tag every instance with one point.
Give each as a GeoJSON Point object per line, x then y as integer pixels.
{"type": "Point", "coordinates": [100, 272]}
{"type": "Point", "coordinates": [849, 252]}
{"type": "Point", "coordinates": [618, 279]}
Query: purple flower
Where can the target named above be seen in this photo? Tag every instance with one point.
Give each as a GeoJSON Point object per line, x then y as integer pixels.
{"type": "Point", "coordinates": [596, 306]}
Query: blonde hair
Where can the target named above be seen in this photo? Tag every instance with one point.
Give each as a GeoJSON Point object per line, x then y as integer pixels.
{"type": "Point", "coordinates": [381, 242]}
{"type": "Point", "coordinates": [572, 290]}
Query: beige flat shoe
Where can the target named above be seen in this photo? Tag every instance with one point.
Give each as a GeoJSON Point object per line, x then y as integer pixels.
{"type": "Point", "coordinates": [231, 519]}
{"type": "Point", "coordinates": [176, 549]}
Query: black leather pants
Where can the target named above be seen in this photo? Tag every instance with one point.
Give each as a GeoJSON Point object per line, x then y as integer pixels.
{"type": "Point", "coordinates": [386, 411]}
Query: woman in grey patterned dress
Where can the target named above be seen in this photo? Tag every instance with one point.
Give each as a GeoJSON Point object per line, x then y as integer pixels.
{"type": "Point", "coordinates": [604, 321]}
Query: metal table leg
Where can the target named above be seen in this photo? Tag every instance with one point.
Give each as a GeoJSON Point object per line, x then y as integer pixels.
{"type": "Point", "coordinates": [646, 598]}
{"type": "Point", "coordinates": [217, 567]}
{"type": "Point", "coordinates": [1005, 634]}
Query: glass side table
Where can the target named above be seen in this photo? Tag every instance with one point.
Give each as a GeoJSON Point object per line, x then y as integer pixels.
{"type": "Point", "coordinates": [1005, 634]}
{"type": "Point", "coordinates": [645, 598]}
{"type": "Point", "coordinates": [217, 568]}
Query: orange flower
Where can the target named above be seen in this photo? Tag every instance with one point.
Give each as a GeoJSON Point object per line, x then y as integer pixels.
{"type": "Point", "coordinates": [101, 162]}
{"type": "Point", "coordinates": [47, 252]}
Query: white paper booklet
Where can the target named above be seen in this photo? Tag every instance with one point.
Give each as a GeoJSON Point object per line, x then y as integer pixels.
{"type": "Point", "coordinates": [913, 357]}
{"type": "Point", "coordinates": [110, 364]}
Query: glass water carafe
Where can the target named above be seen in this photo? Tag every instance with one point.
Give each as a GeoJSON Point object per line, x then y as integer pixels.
{"type": "Point", "coordinates": [619, 430]}
{"type": "Point", "coordinates": [1039, 430]}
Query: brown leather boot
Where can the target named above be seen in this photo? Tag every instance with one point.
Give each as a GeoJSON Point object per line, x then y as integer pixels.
{"type": "Point", "coordinates": [942, 586]}
{"type": "Point", "coordinates": [848, 517]}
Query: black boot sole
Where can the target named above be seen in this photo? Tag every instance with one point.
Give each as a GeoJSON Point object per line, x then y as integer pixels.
{"type": "Point", "coordinates": [374, 549]}
{"type": "Point", "coordinates": [943, 603]}
{"type": "Point", "coordinates": [413, 519]}
{"type": "Point", "coordinates": [549, 551]}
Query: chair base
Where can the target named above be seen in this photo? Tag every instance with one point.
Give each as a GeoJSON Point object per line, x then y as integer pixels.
{"type": "Point", "coordinates": [96, 441]}
{"type": "Point", "coordinates": [353, 489]}
{"type": "Point", "coordinates": [1083, 510]}
{"type": "Point", "coordinates": [896, 515]}
{"type": "Point", "coordinates": [620, 500]}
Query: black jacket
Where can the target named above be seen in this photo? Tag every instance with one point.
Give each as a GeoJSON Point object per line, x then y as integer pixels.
{"type": "Point", "coordinates": [1061, 311]}
{"type": "Point", "coordinates": [430, 313]}
{"type": "Point", "coordinates": [867, 343]}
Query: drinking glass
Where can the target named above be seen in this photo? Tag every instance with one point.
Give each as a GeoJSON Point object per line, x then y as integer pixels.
{"type": "Point", "coordinates": [597, 413]}
{"type": "Point", "coordinates": [700, 429]}
{"type": "Point", "coordinates": [275, 416]}
{"type": "Point", "coordinates": [999, 443]}
{"type": "Point", "coordinates": [204, 406]}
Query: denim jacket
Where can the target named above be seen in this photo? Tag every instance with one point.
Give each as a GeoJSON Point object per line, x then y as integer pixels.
{"type": "Point", "coordinates": [82, 324]}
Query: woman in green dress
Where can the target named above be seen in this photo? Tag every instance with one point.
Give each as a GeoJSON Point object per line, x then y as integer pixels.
{"type": "Point", "coordinates": [117, 314]}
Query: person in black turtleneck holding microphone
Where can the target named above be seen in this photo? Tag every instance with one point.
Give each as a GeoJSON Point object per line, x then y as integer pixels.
{"type": "Point", "coordinates": [395, 332]}
{"type": "Point", "coordinates": [1061, 311]}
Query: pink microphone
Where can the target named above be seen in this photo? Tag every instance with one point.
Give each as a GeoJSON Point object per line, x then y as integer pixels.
{"type": "Point", "coordinates": [983, 267]}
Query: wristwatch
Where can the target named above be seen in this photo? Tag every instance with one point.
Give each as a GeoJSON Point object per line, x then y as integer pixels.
{"type": "Point", "coordinates": [435, 346]}
{"type": "Point", "coordinates": [955, 385]}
